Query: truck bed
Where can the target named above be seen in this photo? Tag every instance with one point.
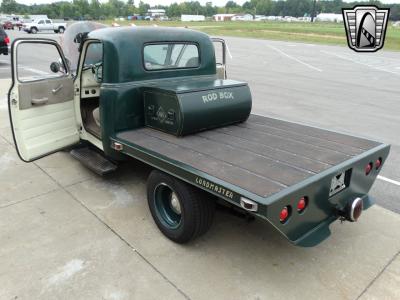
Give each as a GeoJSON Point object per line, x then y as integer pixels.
{"type": "Point", "coordinates": [262, 155]}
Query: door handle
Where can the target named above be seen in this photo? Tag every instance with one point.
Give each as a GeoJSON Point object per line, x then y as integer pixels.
{"type": "Point", "coordinates": [39, 101]}
{"type": "Point", "coordinates": [57, 89]}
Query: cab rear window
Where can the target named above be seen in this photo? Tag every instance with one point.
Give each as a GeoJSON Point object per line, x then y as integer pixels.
{"type": "Point", "coordinates": [170, 56]}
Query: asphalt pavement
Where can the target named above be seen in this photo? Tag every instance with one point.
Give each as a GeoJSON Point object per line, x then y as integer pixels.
{"type": "Point", "coordinates": [67, 233]}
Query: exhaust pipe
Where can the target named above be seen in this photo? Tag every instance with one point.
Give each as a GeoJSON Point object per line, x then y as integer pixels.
{"type": "Point", "coordinates": [353, 210]}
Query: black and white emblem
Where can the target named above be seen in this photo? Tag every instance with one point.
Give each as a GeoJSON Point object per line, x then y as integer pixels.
{"type": "Point", "coordinates": [365, 27]}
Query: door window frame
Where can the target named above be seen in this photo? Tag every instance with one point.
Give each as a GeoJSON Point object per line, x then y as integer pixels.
{"type": "Point", "coordinates": [14, 49]}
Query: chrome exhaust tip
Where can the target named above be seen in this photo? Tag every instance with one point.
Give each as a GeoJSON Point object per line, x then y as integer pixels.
{"type": "Point", "coordinates": [356, 208]}
{"type": "Point", "coordinates": [353, 210]}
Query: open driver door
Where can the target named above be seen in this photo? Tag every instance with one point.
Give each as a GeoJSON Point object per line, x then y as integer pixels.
{"type": "Point", "coordinates": [41, 99]}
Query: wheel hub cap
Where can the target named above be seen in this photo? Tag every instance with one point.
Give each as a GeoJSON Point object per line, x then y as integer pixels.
{"type": "Point", "coordinates": [175, 204]}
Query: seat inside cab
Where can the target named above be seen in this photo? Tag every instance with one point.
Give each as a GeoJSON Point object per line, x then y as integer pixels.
{"type": "Point", "coordinates": [91, 77]}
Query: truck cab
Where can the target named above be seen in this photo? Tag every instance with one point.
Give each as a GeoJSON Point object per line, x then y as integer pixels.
{"type": "Point", "coordinates": [104, 95]}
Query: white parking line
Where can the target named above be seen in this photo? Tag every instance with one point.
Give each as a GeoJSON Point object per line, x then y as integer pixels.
{"type": "Point", "coordinates": [295, 59]}
{"type": "Point", "coordinates": [360, 63]}
{"type": "Point", "coordinates": [389, 180]}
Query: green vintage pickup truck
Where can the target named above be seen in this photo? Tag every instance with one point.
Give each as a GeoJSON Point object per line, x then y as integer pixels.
{"type": "Point", "coordinates": [161, 96]}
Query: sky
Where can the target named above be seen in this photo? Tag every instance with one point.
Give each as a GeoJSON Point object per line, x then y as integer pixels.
{"type": "Point", "coordinates": [167, 2]}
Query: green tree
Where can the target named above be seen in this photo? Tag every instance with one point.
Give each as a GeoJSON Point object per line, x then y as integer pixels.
{"type": "Point", "coordinates": [230, 6]}
{"type": "Point", "coordinates": [95, 9]}
{"type": "Point", "coordinates": [8, 6]}
{"type": "Point", "coordinates": [143, 8]}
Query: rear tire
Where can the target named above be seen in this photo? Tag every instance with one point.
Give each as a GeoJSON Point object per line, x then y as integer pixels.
{"type": "Point", "coordinates": [61, 29]}
{"type": "Point", "coordinates": [181, 211]}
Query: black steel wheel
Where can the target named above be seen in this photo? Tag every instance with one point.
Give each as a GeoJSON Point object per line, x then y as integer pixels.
{"type": "Point", "coordinates": [181, 211]}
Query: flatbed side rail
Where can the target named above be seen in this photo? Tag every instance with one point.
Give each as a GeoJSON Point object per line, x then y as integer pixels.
{"type": "Point", "coordinates": [204, 181]}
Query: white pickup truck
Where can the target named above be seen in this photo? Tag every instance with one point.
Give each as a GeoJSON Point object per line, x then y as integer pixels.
{"type": "Point", "coordinates": [44, 25]}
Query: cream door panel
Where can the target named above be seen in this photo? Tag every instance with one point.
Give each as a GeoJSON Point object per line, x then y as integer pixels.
{"type": "Point", "coordinates": [42, 109]}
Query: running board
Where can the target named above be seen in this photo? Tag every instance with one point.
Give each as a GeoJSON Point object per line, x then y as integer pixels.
{"type": "Point", "coordinates": [93, 160]}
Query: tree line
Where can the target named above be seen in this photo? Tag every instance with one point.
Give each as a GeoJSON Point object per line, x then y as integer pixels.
{"type": "Point", "coordinates": [94, 10]}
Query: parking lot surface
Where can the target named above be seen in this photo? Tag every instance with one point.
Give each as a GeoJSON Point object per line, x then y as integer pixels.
{"type": "Point", "coordinates": [68, 233]}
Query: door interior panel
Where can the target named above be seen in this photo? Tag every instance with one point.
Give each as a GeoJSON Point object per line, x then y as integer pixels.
{"type": "Point", "coordinates": [45, 128]}
{"type": "Point", "coordinates": [51, 91]}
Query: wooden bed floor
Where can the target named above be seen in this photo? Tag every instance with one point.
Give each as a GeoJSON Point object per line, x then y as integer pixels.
{"type": "Point", "coordinates": [262, 155]}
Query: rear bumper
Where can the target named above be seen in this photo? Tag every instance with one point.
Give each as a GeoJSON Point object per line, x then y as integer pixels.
{"type": "Point", "coordinates": [311, 227]}
{"type": "Point", "coordinates": [322, 231]}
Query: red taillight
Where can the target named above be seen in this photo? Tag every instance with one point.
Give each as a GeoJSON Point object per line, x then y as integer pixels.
{"type": "Point", "coordinates": [368, 168]}
{"type": "Point", "coordinates": [301, 205]}
{"type": "Point", "coordinates": [378, 163]}
{"type": "Point", "coordinates": [7, 40]}
{"type": "Point", "coordinates": [284, 214]}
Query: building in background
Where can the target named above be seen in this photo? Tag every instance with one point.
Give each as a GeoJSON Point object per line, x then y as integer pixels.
{"type": "Point", "coordinates": [192, 18]}
{"type": "Point", "coordinates": [324, 17]}
{"type": "Point", "coordinates": [223, 17]}
{"type": "Point", "coordinates": [242, 17]}
{"type": "Point", "coordinates": [156, 13]}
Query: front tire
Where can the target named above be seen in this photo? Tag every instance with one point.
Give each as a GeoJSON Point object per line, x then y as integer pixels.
{"type": "Point", "coordinates": [61, 29]}
{"type": "Point", "coordinates": [181, 211]}
{"type": "Point", "coordinates": [34, 30]}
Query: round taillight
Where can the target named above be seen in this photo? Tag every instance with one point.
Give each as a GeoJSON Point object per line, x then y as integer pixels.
{"type": "Point", "coordinates": [301, 205]}
{"type": "Point", "coordinates": [284, 214]}
{"type": "Point", "coordinates": [7, 40]}
{"type": "Point", "coordinates": [378, 163]}
{"type": "Point", "coordinates": [368, 168]}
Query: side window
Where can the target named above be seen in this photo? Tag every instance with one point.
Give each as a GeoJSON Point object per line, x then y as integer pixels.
{"type": "Point", "coordinates": [41, 22]}
{"type": "Point", "coordinates": [94, 54]}
{"type": "Point", "coordinates": [171, 56]}
{"type": "Point", "coordinates": [48, 22]}
{"type": "Point", "coordinates": [50, 65]}
{"type": "Point", "coordinates": [94, 60]}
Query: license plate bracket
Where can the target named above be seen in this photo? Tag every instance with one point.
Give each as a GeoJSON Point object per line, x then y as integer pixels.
{"type": "Point", "coordinates": [339, 182]}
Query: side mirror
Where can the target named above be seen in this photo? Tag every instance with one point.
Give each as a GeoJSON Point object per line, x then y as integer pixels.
{"type": "Point", "coordinates": [55, 67]}
{"type": "Point", "coordinates": [80, 37]}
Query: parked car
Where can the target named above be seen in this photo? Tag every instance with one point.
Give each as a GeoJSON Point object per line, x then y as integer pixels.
{"type": "Point", "coordinates": [44, 25]}
{"type": "Point", "coordinates": [8, 25]}
{"type": "Point", "coordinates": [4, 42]}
